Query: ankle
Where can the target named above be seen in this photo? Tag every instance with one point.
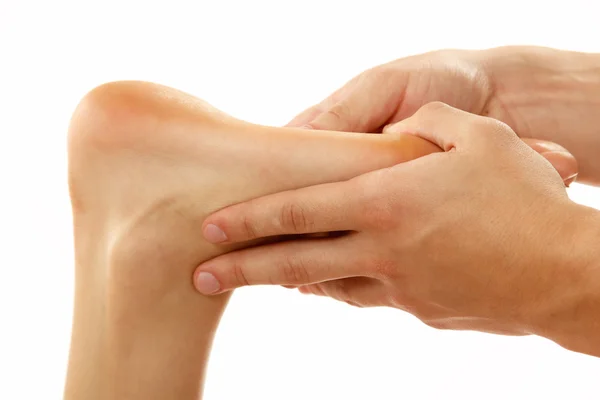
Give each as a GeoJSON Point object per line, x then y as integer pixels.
{"type": "Point", "coordinates": [136, 246]}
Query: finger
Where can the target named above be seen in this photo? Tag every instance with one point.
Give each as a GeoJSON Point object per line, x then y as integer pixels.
{"type": "Point", "coordinates": [560, 158]}
{"type": "Point", "coordinates": [473, 324]}
{"type": "Point", "coordinates": [543, 146]}
{"type": "Point", "coordinates": [310, 289]}
{"type": "Point", "coordinates": [450, 128]}
{"type": "Point", "coordinates": [368, 105]}
{"type": "Point", "coordinates": [321, 208]}
{"type": "Point", "coordinates": [289, 263]}
{"type": "Point", "coordinates": [358, 292]}
{"type": "Point", "coordinates": [302, 119]}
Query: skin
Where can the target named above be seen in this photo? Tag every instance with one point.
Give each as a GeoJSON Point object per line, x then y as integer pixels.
{"type": "Point", "coordinates": [147, 164]}
{"type": "Point", "coordinates": [539, 92]}
{"type": "Point", "coordinates": [480, 237]}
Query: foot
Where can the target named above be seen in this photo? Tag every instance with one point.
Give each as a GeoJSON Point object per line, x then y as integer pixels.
{"type": "Point", "coordinates": [147, 164]}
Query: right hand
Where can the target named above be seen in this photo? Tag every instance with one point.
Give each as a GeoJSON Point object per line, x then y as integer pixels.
{"type": "Point", "coordinates": [498, 83]}
{"type": "Point", "coordinates": [481, 236]}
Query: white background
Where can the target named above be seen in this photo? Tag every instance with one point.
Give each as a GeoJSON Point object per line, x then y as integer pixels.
{"type": "Point", "coordinates": [263, 62]}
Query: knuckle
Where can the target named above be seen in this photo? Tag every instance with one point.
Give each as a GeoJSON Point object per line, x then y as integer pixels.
{"type": "Point", "coordinates": [238, 272]}
{"type": "Point", "coordinates": [434, 107]}
{"type": "Point", "coordinates": [491, 130]}
{"type": "Point", "coordinates": [381, 74]}
{"type": "Point", "coordinates": [293, 218]}
{"type": "Point", "coordinates": [377, 206]}
{"type": "Point", "coordinates": [315, 289]}
{"type": "Point", "coordinates": [502, 127]}
{"type": "Point", "coordinates": [339, 112]}
{"type": "Point", "coordinates": [502, 130]}
{"type": "Point", "coordinates": [248, 228]}
{"type": "Point", "coordinates": [294, 270]}
{"type": "Point", "coordinates": [340, 290]}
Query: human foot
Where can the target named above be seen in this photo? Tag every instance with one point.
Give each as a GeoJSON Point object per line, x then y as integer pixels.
{"type": "Point", "coordinates": [146, 165]}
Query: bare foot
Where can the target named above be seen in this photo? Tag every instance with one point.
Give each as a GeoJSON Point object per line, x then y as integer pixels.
{"type": "Point", "coordinates": [147, 164]}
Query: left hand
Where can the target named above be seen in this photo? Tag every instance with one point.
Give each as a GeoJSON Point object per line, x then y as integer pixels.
{"type": "Point", "coordinates": [476, 237]}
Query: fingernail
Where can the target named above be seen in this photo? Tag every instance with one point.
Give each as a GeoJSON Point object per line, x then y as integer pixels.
{"type": "Point", "coordinates": [570, 180]}
{"type": "Point", "coordinates": [214, 234]}
{"type": "Point", "coordinates": [206, 283]}
{"type": "Point", "coordinates": [306, 126]}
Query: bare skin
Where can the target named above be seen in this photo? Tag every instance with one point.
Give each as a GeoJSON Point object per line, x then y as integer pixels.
{"type": "Point", "coordinates": [147, 164]}
{"type": "Point", "coordinates": [541, 93]}
{"type": "Point", "coordinates": [482, 237]}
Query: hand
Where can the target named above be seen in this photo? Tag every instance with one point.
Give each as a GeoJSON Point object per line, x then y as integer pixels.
{"type": "Point", "coordinates": [540, 93]}
{"type": "Point", "coordinates": [475, 237]}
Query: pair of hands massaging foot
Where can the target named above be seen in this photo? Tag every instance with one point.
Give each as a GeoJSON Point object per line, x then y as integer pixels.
{"type": "Point", "coordinates": [482, 237]}
{"type": "Point", "coordinates": [400, 220]}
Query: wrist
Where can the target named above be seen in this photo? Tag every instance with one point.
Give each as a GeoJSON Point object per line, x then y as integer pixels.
{"type": "Point", "coordinates": [569, 308]}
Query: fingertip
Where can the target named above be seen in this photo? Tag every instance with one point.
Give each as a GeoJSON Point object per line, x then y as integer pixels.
{"type": "Point", "coordinates": [304, 290]}
{"type": "Point", "coordinates": [214, 234]}
{"type": "Point", "coordinates": [206, 283]}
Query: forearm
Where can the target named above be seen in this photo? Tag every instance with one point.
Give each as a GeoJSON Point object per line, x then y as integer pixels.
{"type": "Point", "coordinates": [552, 95]}
{"type": "Point", "coordinates": [569, 314]}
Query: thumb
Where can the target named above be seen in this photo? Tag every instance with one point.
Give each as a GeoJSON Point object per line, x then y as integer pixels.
{"type": "Point", "coordinates": [365, 106]}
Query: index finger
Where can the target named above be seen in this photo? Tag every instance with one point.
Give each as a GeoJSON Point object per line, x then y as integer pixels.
{"type": "Point", "coordinates": [327, 207]}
